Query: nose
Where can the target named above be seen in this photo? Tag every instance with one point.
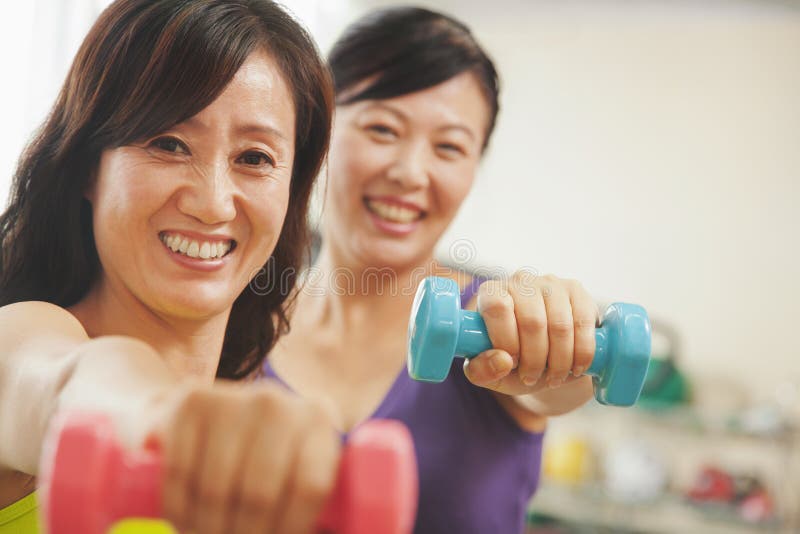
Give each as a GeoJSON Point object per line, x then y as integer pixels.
{"type": "Point", "coordinates": [410, 166]}
{"type": "Point", "coordinates": [210, 196]}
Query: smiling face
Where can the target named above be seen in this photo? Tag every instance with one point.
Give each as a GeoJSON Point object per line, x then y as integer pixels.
{"type": "Point", "coordinates": [183, 220]}
{"type": "Point", "coordinates": [399, 169]}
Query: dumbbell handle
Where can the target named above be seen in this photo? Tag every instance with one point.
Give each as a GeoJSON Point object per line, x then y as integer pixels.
{"type": "Point", "coordinates": [473, 339]}
{"type": "Point", "coordinates": [84, 466]}
{"type": "Point", "coordinates": [138, 492]}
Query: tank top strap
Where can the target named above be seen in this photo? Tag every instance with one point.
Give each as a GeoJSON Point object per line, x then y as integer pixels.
{"type": "Point", "coordinates": [470, 289]}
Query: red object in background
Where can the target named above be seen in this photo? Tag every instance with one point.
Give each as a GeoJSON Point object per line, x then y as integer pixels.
{"type": "Point", "coordinates": [745, 494]}
{"type": "Point", "coordinates": [757, 506]}
{"type": "Point", "coordinates": [712, 485]}
{"type": "Point", "coordinates": [88, 482]}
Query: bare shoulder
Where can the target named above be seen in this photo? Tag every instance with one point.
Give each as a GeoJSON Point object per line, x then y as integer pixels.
{"type": "Point", "coordinates": [22, 320]}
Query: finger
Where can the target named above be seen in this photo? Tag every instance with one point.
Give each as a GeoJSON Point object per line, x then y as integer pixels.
{"type": "Point", "coordinates": [496, 307]}
{"type": "Point", "coordinates": [560, 330]}
{"type": "Point", "coordinates": [534, 342]}
{"type": "Point", "coordinates": [264, 476]}
{"type": "Point", "coordinates": [512, 385]}
{"type": "Point", "coordinates": [311, 483]}
{"type": "Point", "coordinates": [488, 367]}
{"type": "Point", "coordinates": [181, 450]}
{"type": "Point", "coordinates": [585, 316]}
{"type": "Point", "coordinates": [226, 446]}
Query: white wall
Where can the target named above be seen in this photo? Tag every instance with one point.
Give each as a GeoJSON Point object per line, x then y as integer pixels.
{"type": "Point", "coordinates": [651, 149]}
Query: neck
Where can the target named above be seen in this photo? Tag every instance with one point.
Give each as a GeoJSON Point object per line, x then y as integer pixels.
{"type": "Point", "coordinates": [191, 347]}
{"type": "Point", "coordinates": [348, 295]}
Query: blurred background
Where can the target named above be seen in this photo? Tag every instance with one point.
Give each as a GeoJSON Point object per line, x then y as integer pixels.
{"type": "Point", "coordinates": [651, 150]}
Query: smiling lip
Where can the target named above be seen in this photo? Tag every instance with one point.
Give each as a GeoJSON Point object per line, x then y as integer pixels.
{"type": "Point", "coordinates": [396, 202]}
{"type": "Point", "coordinates": [197, 236]}
{"type": "Point", "coordinates": [198, 264]}
{"type": "Point", "coordinates": [393, 228]}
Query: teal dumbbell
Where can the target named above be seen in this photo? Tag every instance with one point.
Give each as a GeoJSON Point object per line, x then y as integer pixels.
{"type": "Point", "coordinates": [440, 330]}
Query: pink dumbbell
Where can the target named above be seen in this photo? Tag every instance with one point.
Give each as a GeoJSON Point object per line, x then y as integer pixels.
{"type": "Point", "coordinates": [88, 482]}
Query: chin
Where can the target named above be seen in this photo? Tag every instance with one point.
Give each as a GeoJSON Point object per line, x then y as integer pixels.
{"type": "Point", "coordinates": [196, 304]}
{"type": "Point", "coordinates": [396, 256]}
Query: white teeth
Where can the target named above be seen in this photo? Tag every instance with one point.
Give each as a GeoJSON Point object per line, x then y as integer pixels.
{"type": "Point", "coordinates": [196, 249]}
{"type": "Point", "coordinates": [392, 212]}
{"type": "Point", "coordinates": [205, 251]}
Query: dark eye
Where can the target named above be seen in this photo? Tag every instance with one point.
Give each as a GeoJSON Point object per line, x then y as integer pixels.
{"type": "Point", "coordinates": [382, 131]}
{"type": "Point", "coordinates": [450, 148]}
{"type": "Point", "coordinates": [256, 159]}
{"type": "Point", "coordinates": [170, 144]}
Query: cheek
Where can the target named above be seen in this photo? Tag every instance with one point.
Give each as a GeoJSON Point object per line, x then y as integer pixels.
{"type": "Point", "coordinates": [354, 161]}
{"type": "Point", "coordinates": [267, 207]}
{"type": "Point", "coordinates": [123, 202]}
{"type": "Point", "coordinates": [452, 188]}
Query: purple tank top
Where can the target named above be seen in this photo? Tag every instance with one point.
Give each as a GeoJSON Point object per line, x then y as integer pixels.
{"type": "Point", "coordinates": [477, 468]}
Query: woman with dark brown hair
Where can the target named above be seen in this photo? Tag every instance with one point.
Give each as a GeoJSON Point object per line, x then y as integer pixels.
{"type": "Point", "coordinates": [174, 168]}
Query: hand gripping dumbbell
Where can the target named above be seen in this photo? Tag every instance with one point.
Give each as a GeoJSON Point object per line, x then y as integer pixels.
{"type": "Point", "coordinates": [439, 330]}
{"type": "Point", "coordinates": [88, 482]}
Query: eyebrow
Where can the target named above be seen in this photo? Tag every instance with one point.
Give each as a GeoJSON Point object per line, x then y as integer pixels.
{"type": "Point", "coordinates": [240, 129]}
{"type": "Point", "coordinates": [400, 114]}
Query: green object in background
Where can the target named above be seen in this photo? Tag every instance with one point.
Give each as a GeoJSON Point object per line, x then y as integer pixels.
{"type": "Point", "coordinates": [665, 386]}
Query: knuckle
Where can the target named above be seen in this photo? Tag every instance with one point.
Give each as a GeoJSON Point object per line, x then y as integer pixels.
{"type": "Point", "coordinates": [583, 356]}
{"type": "Point", "coordinates": [259, 498]}
{"type": "Point", "coordinates": [531, 323]}
{"type": "Point", "coordinates": [211, 495]}
{"type": "Point", "coordinates": [492, 288]}
{"type": "Point", "coordinates": [320, 415]}
{"type": "Point", "coordinates": [496, 305]}
{"type": "Point", "coordinates": [531, 367]}
{"type": "Point", "coordinates": [559, 367]}
{"type": "Point", "coordinates": [523, 278]}
{"type": "Point", "coordinates": [584, 322]}
{"type": "Point", "coordinates": [573, 284]}
{"type": "Point", "coordinates": [270, 403]}
{"type": "Point", "coordinates": [561, 328]}
{"type": "Point", "coordinates": [314, 489]}
{"type": "Point", "coordinates": [178, 473]}
{"type": "Point", "coordinates": [192, 400]}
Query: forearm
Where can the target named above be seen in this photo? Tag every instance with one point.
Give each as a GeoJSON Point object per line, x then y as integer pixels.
{"type": "Point", "coordinates": [115, 375]}
{"type": "Point", "coordinates": [558, 401]}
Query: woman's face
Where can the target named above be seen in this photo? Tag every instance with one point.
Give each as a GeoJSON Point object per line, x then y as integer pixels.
{"type": "Point", "coordinates": [184, 220]}
{"type": "Point", "coordinates": [399, 169]}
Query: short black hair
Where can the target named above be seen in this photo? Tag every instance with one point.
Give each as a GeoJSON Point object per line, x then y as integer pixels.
{"type": "Point", "coordinates": [408, 49]}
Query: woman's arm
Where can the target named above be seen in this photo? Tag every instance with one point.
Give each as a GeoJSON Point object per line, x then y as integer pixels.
{"type": "Point", "coordinates": [514, 316]}
{"type": "Point", "coordinates": [232, 454]}
{"type": "Point", "coordinates": [48, 362]}
{"type": "Point", "coordinates": [532, 410]}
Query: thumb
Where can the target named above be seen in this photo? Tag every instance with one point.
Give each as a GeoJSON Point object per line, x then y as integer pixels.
{"type": "Point", "coordinates": [489, 367]}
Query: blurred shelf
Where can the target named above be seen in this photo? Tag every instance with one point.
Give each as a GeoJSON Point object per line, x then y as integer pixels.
{"type": "Point", "coordinates": [691, 420]}
{"type": "Point", "coordinates": [588, 506]}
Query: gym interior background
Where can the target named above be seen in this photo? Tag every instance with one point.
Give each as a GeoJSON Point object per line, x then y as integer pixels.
{"type": "Point", "coordinates": [651, 150]}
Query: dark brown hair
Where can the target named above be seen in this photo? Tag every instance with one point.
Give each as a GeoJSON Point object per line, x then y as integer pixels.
{"type": "Point", "coordinates": [407, 49]}
{"type": "Point", "coordinates": [145, 66]}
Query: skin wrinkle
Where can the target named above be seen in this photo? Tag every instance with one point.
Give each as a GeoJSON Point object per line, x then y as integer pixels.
{"type": "Point", "coordinates": [143, 190]}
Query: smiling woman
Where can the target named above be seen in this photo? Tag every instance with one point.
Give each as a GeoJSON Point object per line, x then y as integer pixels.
{"type": "Point", "coordinates": [175, 165]}
{"type": "Point", "coordinates": [417, 98]}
